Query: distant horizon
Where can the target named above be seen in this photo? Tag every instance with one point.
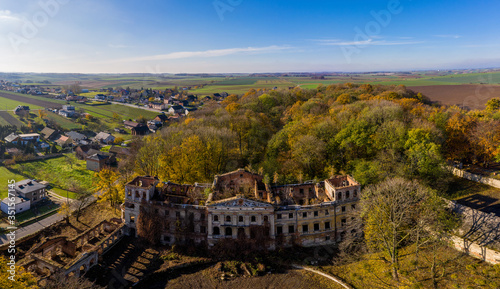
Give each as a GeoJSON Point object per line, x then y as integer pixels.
{"type": "Point", "coordinates": [244, 73]}
{"type": "Point", "coordinates": [222, 36]}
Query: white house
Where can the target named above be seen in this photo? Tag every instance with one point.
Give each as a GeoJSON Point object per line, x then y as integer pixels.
{"type": "Point", "coordinates": [22, 139]}
{"type": "Point", "coordinates": [20, 204]}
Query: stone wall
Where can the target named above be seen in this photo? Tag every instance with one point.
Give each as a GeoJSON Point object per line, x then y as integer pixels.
{"type": "Point", "coordinates": [475, 178]}
{"type": "Point", "coordinates": [479, 234]}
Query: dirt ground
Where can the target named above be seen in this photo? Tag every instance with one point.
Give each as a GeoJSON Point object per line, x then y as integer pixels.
{"type": "Point", "coordinates": [204, 278]}
{"type": "Point", "coordinates": [29, 100]}
{"type": "Point", "coordinates": [472, 96]}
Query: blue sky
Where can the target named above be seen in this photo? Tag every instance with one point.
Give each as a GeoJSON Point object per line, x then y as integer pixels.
{"type": "Point", "coordinates": [232, 36]}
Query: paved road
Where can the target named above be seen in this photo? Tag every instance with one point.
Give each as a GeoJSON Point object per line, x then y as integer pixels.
{"type": "Point", "coordinates": [33, 228]}
{"type": "Point", "coordinates": [135, 106]}
{"type": "Point", "coordinates": [41, 224]}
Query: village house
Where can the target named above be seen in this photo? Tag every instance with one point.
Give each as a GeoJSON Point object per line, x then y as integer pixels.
{"type": "Point", "coordinates": [119, 151]}
{"type": "Point", "coordinates": [77, 138]}
{"type": "Point", "coordinates": [104, 137]}
{"type": "Point", "coordinates": [66, 113]}
{"type": "Point", "coordinates": [188, 110]}
{"type": "Point", "coordinates": [64, 141]}
{"type": "Point", "coordinates": [30, 190]}
{"type": "Point", "coordinates": [157, 105]}
{"type": "Point", "coordinates": [140, 130]}
{"type": "Point", "coordinates": [242, 206]}
{"type": "Point", "coordinates": [176, 109]}
{"type": "Point", "coordinates": [21, 109]}
{"type": "Point", "coordinates": [49, 133]}
{"type": "Point", "coordinates": [161, 118]}
{"type": "Point", "coordinates": [22, 139]}
{"type": "Point", "coordinates": [20, 205]}
{"type": "Point", "coordinates": [100, 160]}
{"type": "Point", "coordinates": [130, 124]}
{"type": "Point", "coordinates": [83, 151]}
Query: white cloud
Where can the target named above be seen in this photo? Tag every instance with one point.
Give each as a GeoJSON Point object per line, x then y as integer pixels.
{"type": "Point", "coordinates": [206, 53]}
{"type": "Point", "coordinates": [6, 15]}
{"type": "Point", "coordinates": [369, 42]}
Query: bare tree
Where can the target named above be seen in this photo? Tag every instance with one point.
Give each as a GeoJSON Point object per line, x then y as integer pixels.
{"type": "Point", "coordinates": [390, 211]}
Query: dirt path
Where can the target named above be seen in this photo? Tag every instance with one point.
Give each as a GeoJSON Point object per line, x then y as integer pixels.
{"type": "Point", "coordinates": [10, 119]}
{"type": "Point", "coordinates": [324, 275]}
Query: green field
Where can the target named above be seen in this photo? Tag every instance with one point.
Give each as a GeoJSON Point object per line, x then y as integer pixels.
{"type": "Point", "coordinates": [5, 176]}
{"type": "Point", "coordinates": [103, 112]}
{"type": "Point", "coordinates": [59, 172]}
{"type": "Point", "coordinates": [9, 104]}
{"type": "Point", "coordinates": [63, 122]}
{"type": "Point", "coordinates": [48, 99]}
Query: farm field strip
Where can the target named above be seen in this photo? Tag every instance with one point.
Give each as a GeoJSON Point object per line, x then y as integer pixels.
{"type": "Point", "coordinates": [62, 121]}
{"type": "Point", "coordinates": [11, 104]}
{"type": "Point", "coordinates": [9, 118]}
{"type": "Point", "coordinates": [32, 100]}
{"type": "Point", "coordinates": [3, 121]}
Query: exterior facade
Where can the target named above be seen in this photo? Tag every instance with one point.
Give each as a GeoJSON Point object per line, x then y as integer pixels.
{"type": "Point", "coordinates": [31, 190]}
{"type": "Point", "coordinates": [98, 161]}
{"type": "Point", "coordinates": [104, 137]}
{"type": "Point", "coordinates": [23, 139]}
{"type": "Point", "coordinates": [20, 205]}
{"type": "Point", "coordinates": [238, 205]}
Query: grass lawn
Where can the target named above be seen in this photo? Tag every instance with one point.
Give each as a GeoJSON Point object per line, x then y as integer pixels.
{"type": "Point", "coordinates": [59, 172]}
{"type": "Point", "coordinates": [64, 193]}
{"type": "Point", "coordinates": [461, 187]}
{"type": "Point", "coordinates": [453, 270]}
{"type": "Point", "coordinates": [63, 122]}
{"type": "Point", "coordinates": [5, 176]}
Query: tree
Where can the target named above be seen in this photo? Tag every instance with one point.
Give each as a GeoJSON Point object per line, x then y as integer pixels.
{"type": "Point", "coordinates": [116, 116]}
{"type": "Point", "coordinates": [42, 113]}
{"type": "Point", "coordinates": [53, 149]}
{"type": "Point", "coordinates": [493, 104]}
{"type": "Point", "coordinates": [84, 198]}
{"type": "Point", "coordinates": [309, 152]}
{"type": "Point", "coordinates": [391, 212]}
{"type": "Point", "coordinates": [22, 279]}
{"type": "Point", "coordinates": [65, 211]}
{"type": "Point", "coordinates": [423, 155]}
{"type": "Point", "coordinates": [70, 161]}
{"type": "Point", "coordinates": [108, 188]}
{"type": "Point", "coordinates": [486, 137]}
{"type": "Point", "coordinates": [118, 140]}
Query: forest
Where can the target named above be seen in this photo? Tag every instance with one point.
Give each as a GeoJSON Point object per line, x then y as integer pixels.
{"type": "Point", "coordinates": [370, 132]}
